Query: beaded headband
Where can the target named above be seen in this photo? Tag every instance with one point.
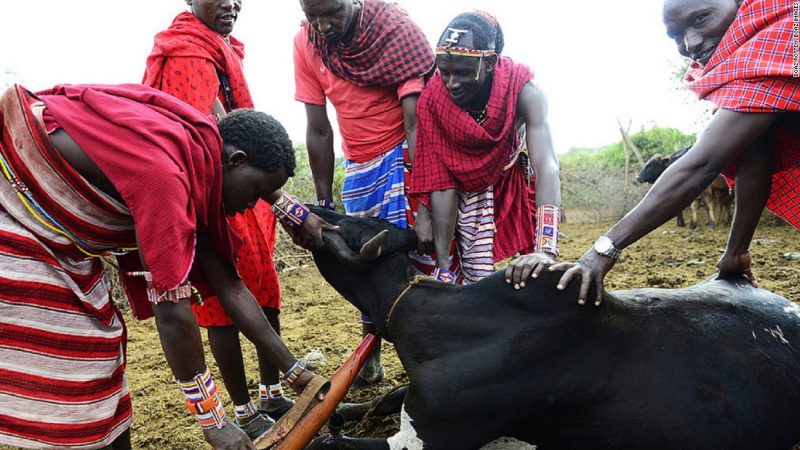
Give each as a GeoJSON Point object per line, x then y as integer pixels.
{"type": "Point", "coordinates": [450, 46]}
{"type": "Point", "coordinates": [462, 51]}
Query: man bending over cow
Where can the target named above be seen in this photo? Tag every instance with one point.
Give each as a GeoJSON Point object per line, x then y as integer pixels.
{"type": "Point", "coordinates": [124, 170]}
{"type": "Point", "coordinates": [742, 63]}
{"type": "Point", "coordinates": [482, 126]}
{"type": "Point", "coordinates": [369, 59]}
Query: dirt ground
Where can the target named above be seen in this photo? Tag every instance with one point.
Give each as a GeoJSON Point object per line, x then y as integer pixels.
{"type": "Point", "coordinates": [315, 317]}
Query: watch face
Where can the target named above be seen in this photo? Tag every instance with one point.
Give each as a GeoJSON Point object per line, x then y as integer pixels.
{"type": "Point", "coordinates": [603, 245]}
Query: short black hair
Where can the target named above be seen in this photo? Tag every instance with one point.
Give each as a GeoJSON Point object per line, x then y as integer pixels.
{"type": "Point", "coordinates": [486, 31]}
{"type": "Point", "coordinates": [262, 137]}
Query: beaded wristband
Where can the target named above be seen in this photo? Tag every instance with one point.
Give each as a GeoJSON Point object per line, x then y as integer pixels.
{"type": "Point", "coordinates": [294, 372]}
{"type": "Point", "coordinates": [157, 296]}
{"type": "Point", "coordinates": [548, 220]}
{"type": "Point", "coordinates": [290, 211]}
{"type": "Point", "coordinates": [328, 204]}
{"type": "Point", "coordinates": [202, 400]}
{"type": "Point", "coordinates": [444, 275]}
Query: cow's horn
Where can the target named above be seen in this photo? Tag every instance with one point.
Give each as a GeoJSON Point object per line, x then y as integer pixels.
{"type": "Point", "coordinates": [371, 250]}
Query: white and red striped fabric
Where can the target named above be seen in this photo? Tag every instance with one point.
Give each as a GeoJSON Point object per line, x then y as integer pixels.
{"type": "Point", "coordinates": [62, 341]}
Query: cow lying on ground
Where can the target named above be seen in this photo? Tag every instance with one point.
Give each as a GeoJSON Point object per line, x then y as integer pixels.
{"type": "Point", "coordinates": [717, 196]}
{"type": "Point", "coordinates": [716, 365]}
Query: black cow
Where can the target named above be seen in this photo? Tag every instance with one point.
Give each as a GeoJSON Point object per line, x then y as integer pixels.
{"type": "Point", "coordinates": [716, 365]}
{"type": "Point", "coordinates": [717, 196]}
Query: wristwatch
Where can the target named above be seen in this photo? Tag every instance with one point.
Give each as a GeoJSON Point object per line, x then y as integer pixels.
{"type": "Point", "coordinates": [605, 246]}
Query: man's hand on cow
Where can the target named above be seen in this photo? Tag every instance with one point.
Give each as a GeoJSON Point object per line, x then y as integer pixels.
{"type": "Point", "coordinates": [730, 263]}
{"type": "Point", "coordinates": [309, 235]}
{"type": "Point", "coordinates": [527, 266]}
{"type": "Point", "coordinates": [229, 437]}
{"type": "Point", "coordinates": [591, 268]}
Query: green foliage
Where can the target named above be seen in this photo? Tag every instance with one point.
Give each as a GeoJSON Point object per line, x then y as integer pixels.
{"type": "Point", "coordinates": [302, 184]}
{"type": "Point", "coordinates": [649, 142]}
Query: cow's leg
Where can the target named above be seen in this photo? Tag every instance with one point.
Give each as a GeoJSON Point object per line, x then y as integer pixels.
{"type": "Point", "coordinates": [380, 406]}
{"type": "Point", "coordinates": [681, 221]}
{"type": "Point", "coordinates": [708, 196]}
{"type": "Point", "coordinates": [695, 206]}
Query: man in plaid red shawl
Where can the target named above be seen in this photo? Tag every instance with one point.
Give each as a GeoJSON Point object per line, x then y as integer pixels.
{"type": "Point", "coordinates": [479, 118]}
{"type": "Point", "coordinates": [742, 53]}
{"type": "Point", "coordinates": [198, 61]}
{"type": "Point", "coordinates": [369, 59]}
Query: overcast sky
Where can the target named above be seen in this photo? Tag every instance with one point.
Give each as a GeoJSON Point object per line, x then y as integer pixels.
{"type": "Point", "coordinates": [597, 61]}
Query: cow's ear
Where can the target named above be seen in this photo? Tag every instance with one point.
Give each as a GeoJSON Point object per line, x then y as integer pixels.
{"type": "Point", "coordinates": [372, 249]}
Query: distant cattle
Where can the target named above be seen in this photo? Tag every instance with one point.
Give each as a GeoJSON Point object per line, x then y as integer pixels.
{"type": "Point", "coordinates": [717, 196]}
{"type": "Point", "coordinates": [716, 365]}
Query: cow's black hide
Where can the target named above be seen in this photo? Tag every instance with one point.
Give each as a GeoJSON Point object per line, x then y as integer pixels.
{"type": "Point", "coordinates": [715, 365]}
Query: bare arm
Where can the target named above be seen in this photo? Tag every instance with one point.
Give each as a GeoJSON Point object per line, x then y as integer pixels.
{"type": "Point", "coordinates": [729, 133]}
{"type": "Point", "coordinates": [319, 142]}
{"type": "Point", "coordinates": [532, 106]}
{"type": "Point", "coordinates": [243, 309]}
{"type": "Point", "coordinates": [753, 182]}
{"type": "Point", "coordinates": [444, 209]}
{"type": "Point", "coordinates": [409, 103]}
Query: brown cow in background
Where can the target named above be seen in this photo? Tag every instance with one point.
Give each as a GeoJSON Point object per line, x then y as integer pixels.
{"type": "Point", "coordinates": [717, 197]}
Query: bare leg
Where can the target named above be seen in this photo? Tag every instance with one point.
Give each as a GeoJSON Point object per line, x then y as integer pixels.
{"type": "Point", "coordinates": [122, 442]}
{"type": "Point", "coordinates": [227, 351]}
{"type": "Point", "coordinates": [275, 407]}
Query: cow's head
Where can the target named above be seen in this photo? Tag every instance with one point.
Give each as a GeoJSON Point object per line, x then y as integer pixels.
{"type": "Point", "coordinates": [653, 169]}
{"type": "Point", "coordinates": [365, 261]}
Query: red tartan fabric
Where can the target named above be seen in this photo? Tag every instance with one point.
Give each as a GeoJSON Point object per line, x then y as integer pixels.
{"type": "Point", "coordinates": [189, 50]}
{"type": "Point", "coordinates": [751, 71]}
{"type": "Point", "coordinates": [164, 158]}
{"type": "Point", "coordinates": [453, 151]}
{"type": "Point", "coordinates": [387, 47]}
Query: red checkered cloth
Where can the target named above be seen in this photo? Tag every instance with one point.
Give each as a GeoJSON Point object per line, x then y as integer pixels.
{"type": "Point", "coordinates": [387, 48]}
{"type": "Point", "coordinates": [453, 151]}
{"type": "Point", "coordinates": [751, 71]}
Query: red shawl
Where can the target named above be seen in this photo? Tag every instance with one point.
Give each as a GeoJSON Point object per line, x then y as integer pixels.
{"type": "Point", "coordinates": [387, 48]}
{"type": "Point", "coordinates": [188, 37]}
{"type": "Point", "coordinates": [163, 157]}
{"type": "Point", "coordinates": [453, 151]}
{"type": "Point", "coordinates": [751, 71]}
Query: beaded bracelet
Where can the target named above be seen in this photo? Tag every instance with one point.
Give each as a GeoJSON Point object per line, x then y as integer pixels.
{"type": "Point", "coordinates": [444, 275]}
{"type": "Point", "coordinates": [156, 296]}
{"type": "Point", "coordinates": [328, 204]}
{"type": "Point", "coordinates": [202, 400]}
{"type": "Point", "coordinates": [294, 372]}
{"type": "Point", "coordinates": [548, 220]}
{"type": "Point", "coordinates": [290, 211]}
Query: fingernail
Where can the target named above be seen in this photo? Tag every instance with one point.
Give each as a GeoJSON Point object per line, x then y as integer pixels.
{"type": "Point", "coordinates": [516, 286]}
{"type": "Point", "coordinates": [536, 275]}
{"type": "Point", "coordinates": [581, 301]}
{"type": "Point", "coordinates": [560, 287]}
{"type": "Point", "coordinates": [508, 281]}
{"type": "Point", "coordinates": [597, 303]}
{"type": "Point", "coordinates": [522, 284]}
